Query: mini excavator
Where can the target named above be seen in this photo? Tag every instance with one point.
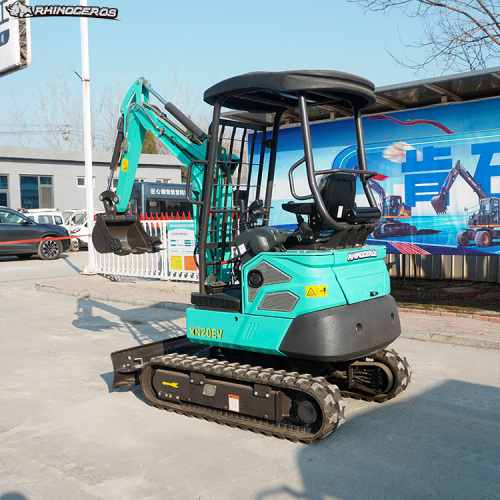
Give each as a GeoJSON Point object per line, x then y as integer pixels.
{"type": "Point", "coordinates": [391, 208]}
{"type": "Point", "coordinates": [284, 323]}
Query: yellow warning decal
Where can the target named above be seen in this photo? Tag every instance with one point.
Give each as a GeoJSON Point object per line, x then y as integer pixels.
{"type": "Point", "coordinates": [124, 165]}
{"type": "Point", "coordinates": [175, 385]}
{"type": "Point", "coordinates": [316, 291]}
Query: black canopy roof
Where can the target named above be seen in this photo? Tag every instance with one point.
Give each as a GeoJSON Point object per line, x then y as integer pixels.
{"type": "Point", "coordinates": [453, 88]}
{"type": "Point", "coordinates": [268, 92]}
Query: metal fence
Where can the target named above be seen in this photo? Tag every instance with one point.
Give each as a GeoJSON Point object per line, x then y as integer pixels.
{"type": "Point", "coordinates": [145, 265]}
{"type": "Point", "coordinates": [440, 267]}
{"type": "Point", "coordinates": [447, 267]}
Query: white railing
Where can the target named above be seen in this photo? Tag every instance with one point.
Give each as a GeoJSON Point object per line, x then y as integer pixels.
{"type": "Point", "coordinates": [145, 265]}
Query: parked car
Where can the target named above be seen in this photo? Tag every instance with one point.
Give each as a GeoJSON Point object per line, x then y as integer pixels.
{"type": "Point", "coordinates": [50, 216]}
{"type": "Point", "coordinates": [76, 222]}
{"type": "Point", "coordinates": [44, 215]}
{"type": "Point", "coordinates": [15, 226]}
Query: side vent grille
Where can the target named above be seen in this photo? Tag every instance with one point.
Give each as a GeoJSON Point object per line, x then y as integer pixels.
{"type": "Point", "coordinates": [271, 275]}
{"type": "Point", "coordinates": [278, 301]}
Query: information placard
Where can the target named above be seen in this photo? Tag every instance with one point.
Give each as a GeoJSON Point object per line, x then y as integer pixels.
{"type": "Point", "coordinates": [181, 245]}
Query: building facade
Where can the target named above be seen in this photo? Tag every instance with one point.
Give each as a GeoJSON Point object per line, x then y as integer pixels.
{"type": "Point", "coordinates": [49, 178]}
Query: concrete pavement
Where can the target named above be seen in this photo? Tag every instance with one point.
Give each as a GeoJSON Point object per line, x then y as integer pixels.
{"type": "Point", "coordinates": [435, 326]}
{"type": "Point", "coordinates": [65, 434]}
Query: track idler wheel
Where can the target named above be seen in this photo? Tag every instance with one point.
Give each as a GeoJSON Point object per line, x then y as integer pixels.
{"type": "Point", "coordinates": [377, 378]}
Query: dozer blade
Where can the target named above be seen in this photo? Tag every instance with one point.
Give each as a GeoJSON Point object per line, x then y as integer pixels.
{"type": "Point", "coordinates": [122, 235]}
{"type": "Point", "coordinates": [128, 363]}
{"type": "Point", "coordinates": [439, 203]}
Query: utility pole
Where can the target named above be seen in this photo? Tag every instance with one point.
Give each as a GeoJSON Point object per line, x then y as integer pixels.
{"type": "Point", "coordinates": [87, 140]}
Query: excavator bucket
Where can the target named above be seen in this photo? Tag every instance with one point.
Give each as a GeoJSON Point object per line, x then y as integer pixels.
{"type": "Point", "coordinates": [122, 235]}
{"type": "Point", "coordinates": [439, 203]}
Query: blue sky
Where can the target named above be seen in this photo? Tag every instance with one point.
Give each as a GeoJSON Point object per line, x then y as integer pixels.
{"type": "Point", "coordinates": [209, 41]}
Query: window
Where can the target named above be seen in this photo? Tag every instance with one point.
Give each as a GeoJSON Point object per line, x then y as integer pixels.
{"type": "Point", "coordinates": [36, 191]}
{"type": "Point", "coordinates": [164, 180]}
{"type": "Point", "coordinates": [495, 212]}
{"type": "Point", "coordinates": [4, 190]}
{"type": "Point", "coordinates": [8, 217]}
{"type": "Point", "coordinates": [80, 182]}
{"type": "Point", "coordinates": [139, 179]}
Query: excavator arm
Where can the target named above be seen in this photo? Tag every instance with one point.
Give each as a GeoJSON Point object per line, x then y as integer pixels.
{"type": "Point", "coordinates": [117, 231]}
{"type": "Point", "coordinates": [440, 201]}
{"type": "Point", "coordinates": [139, 116]}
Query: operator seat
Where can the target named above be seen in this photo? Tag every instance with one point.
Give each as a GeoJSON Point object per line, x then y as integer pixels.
{"type": "Point", "coordinates": [338, 192]}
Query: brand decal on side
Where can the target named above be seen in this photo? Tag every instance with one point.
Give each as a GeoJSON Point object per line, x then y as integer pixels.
{"type": "Point", "coordinates": [208, 333]}
{"type": "Point", "coordinates": [366, 254]}
{"type": "Point", "coordinates": [20, 10]}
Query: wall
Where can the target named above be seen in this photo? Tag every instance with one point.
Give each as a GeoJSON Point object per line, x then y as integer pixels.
{"type": "Point", "coordinates": [414, 152]}
{"type": "Point", "coordinates": [66, 165]}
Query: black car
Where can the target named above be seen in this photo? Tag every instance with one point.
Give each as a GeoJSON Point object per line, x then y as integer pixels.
{"type": "Point", "coordinates": [16, 227]}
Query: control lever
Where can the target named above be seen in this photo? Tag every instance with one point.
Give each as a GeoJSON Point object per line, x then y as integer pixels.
{"type": "Point", "coordinates": [250, 216]}
{"type": "Point", "coordinates": [255, 212]}
{"type": "Point", "coordinates": [303, 231]}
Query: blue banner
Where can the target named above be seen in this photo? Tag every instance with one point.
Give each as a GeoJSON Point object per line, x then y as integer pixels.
{"type": "Point", "coordinates": [438, 182]}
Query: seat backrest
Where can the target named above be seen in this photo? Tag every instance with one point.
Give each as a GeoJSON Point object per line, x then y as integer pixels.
{"type": "Point", "coordinates": [338, 192]}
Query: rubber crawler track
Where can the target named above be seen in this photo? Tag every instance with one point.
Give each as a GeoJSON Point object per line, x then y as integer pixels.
{"type": "Point", "coordinates": [400, 369]}
{"type": "Point", "coordinates": [326, 395]}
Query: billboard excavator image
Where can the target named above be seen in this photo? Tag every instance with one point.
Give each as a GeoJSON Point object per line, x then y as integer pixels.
{"type": "Point", "coordinates": [285, 324]}
{"type": "Point", "coordinates": [391, 208]}
{"type": "Point", "coordinates": [483, 221]}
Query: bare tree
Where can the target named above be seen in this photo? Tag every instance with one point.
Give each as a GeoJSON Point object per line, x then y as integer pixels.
{"type": "Point", "coordinates": [457, 34]}
{"type": "Point", "coordinates": [181, 94]}
{"type": "Point", "coordinates": [58, 115]}
{"type": "Point", "coordinates": [19, 127]}
{"type": "Point", "coordinates": [106, 118]}
{"type": "Point", "coordinates": [54, 119]}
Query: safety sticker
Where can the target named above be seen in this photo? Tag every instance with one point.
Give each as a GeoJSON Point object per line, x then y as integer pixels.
{"type": "Point", "coordinates": [124, 165]}
{"type": "Point", "coordinates": [234, 403]}
{"type": "Point", "coordinates": [316, 291]}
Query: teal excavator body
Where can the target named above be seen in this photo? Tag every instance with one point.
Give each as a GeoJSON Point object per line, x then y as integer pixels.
{"type": "Point", "coordinates": [313, 300]}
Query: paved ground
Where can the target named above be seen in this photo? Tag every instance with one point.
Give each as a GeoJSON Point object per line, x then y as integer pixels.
{"type": "Point", "coordinates": [64, 434]}
{"type": "Point", "coordinates": [436, 326]}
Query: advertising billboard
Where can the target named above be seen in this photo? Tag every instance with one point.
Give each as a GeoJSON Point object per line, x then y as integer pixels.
{"type": "Point", "coordinates": [438, 182]}
{"type": "Point", "coordinates": [15, 47]}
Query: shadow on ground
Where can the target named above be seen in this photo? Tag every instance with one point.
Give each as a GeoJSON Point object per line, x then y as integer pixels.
{"type": "Point", "coordinates": [143, 324]}
{"type": "Point", "coordinates": [442, 443]}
